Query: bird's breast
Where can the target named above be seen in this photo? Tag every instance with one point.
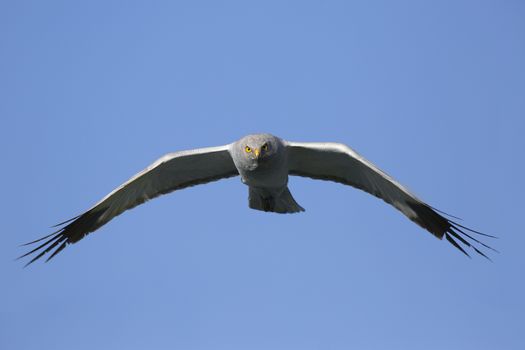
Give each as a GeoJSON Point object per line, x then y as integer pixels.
{"type": "Point", "coordinates": [264, 176]}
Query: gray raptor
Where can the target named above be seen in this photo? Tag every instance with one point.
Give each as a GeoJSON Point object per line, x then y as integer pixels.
{"type": "Point", "coordinates": [264, 163]}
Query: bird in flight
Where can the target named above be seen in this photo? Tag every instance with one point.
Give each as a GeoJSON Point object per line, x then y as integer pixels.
{"type": "Point", "coordinates": [264, 163]}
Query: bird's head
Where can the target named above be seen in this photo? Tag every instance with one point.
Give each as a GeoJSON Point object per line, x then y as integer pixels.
{"type": "Point", "coordinates": [257, 149]}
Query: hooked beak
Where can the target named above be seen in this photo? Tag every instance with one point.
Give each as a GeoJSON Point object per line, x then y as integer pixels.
{"type": "Point", "coordinates": [257, 153]}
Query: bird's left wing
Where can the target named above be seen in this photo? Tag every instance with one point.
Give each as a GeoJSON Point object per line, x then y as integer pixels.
{"type": "Point", "coordinates": [338, 162]}
{"type": "Point", "coordinates": [172, 172]}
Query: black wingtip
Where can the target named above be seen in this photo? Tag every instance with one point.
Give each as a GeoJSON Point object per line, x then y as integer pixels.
{"type": "Point", "coordinates": [482, 254]}
{"type": "Point", "coordinates": [51, 234]}
{"type": "Point", "coordinates": [455, 231]}
{"type": "Point", "coordinates": [460, 236]}
{"type": "Point", "coordinates": [57, 237]}
{"type": "Point", "coordinates": [445, 213]}
{"type": "Point", "coordinates": [471, 230]}
{"type": "Point", "coordinates": [50, 241]}
{"type": "Point", "coordinates": [58, 250]}
{"type": "Point", "coordinates": [40, 239]}
{"type": "Point", "coordinates": [453, 226]}
{"type": "Point", "coordinates": [72, 231]}
{"type": "Point", "coordinates": [48, 246]}
{"type": "Point", "coordinates": [67, 221]}
{"type": "Point", "coordinates": [456, 244]}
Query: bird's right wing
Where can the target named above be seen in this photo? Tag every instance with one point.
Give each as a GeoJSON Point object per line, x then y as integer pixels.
{"type": "Point", "coordinates": [338, 162]}
{"type": "Point", "coordinates": [172, 172]}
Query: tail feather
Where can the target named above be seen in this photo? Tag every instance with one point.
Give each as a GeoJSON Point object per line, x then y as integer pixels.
{"type": "Point", "coordinates": [277, 203]}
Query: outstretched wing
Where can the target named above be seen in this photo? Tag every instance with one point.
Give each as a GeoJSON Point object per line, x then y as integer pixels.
{"type": "Point", "coordinates": [337, 162]}
{"type": "Point", "coordinates": [172, 172]}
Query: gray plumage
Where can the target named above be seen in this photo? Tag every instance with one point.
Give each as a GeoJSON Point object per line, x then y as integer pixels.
{"type": "Point", "coordinates": [264, 163]}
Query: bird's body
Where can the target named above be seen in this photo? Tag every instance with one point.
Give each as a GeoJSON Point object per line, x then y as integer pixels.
{"type": "Point", "coordinates": [266, 174]}
{"type": "Point", "coordinates": [264, 163]}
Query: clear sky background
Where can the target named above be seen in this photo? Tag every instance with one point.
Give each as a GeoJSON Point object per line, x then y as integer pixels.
{"type": "Point", "coordinates": [433, 92]}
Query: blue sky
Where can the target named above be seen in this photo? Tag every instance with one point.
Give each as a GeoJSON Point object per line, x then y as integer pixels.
{"type": "Point", "coordinates": [431, 92]}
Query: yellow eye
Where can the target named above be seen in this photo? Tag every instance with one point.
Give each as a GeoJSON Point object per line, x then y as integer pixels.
{"type": "Point", "coordinates": [264, 147]}
{"type": "Point", "coordinates": [247, 149]}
